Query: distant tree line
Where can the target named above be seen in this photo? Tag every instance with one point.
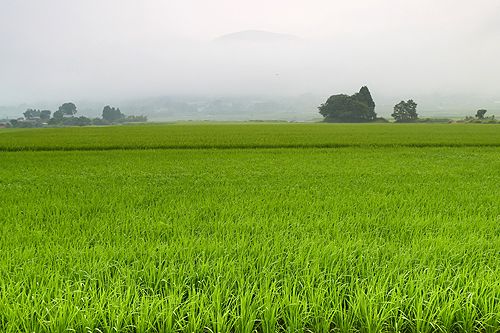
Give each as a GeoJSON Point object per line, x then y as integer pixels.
{"type": "Point", "coordinates": [480, 118]}
{"type": "Point", "coordinates": [360, 107]}
{"type": "Point", "coordinates": [66, 116]}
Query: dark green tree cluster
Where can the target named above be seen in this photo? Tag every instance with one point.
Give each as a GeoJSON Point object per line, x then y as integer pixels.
{"type": "Point", "coordinates": [359, 107]}
{"type": "Point", "coordinates": [33, 114]}
{"type": "Point", "coordinates": [480, 113]}
{"type": "Point", "coordinates": [480, 118]}
{"type": "Point", "coordinates": [66, 116]}
{"type": "Point", "coordinates": [405, 112]}
{"type": "Point", "coordinates": [65, 110]}
{"type": "Point", "coordinates": [112, 114]}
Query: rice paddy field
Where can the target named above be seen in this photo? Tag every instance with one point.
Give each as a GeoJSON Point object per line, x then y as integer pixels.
{"type": "Point", "coordinates": [250, 228]}
{"type": "Point", "coordinates": [250, 135]}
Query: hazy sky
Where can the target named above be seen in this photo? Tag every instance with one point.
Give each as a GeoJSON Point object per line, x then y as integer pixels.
{"type": "Point", "coordinates": [98, 49]}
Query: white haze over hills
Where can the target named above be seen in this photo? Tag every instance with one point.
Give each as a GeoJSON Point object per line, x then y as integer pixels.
{"type": "Point", "coordinates": [257, 107]}
{"type": "Point", "coordinates": [256, 36]}
{"type": "Point", "coordinates": [235, 60]}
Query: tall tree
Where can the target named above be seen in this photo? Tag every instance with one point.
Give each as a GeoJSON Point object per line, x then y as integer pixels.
{"type": "Point", "coordinates": [112, 114]}
{"type": "Point", "coordinates": [365, 97]}
{"type": "Point", "coordinates": [67, 109]}
{"type": "Point", "coordinates": [405, 111]}
{"type": "Point", "coordinates": [45, 114]}
{"type": "Point", "coordinates": [359, 107]}
{"type": "Point", "coordinates": [58, 115]}
{"type": "Point", "coordinates": [30, 114]}
{"type": "Point", "coordinates": [480, 113]}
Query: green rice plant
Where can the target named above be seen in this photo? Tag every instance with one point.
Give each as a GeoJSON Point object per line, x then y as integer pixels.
{"type": "Point", "coordinates": [355, 239]}
{"type": "Point", "coordinates": [227, 136]}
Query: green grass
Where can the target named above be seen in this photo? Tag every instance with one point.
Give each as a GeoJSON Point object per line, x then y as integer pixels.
{"type": "Point", "coordinates": [357, 239]}
{"type": "Point", "coordinates": [250, 136]}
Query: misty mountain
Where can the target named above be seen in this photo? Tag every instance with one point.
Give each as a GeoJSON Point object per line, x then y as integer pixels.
{"type": "Point", "coordinates": [400, 49]}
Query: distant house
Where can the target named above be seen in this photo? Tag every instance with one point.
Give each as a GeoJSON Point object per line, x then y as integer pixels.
{"type": "Point", "coordinates": [3, 125]}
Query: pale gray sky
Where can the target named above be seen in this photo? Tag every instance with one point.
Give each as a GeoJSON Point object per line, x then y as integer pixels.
{"type": "Point", "coordinates": [94, 49]}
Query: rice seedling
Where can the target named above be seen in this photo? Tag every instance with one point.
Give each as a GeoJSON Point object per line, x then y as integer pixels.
{"type": "Point", "coordinates": [354, 239]}
{"type": "Point", "coordinates": [199, 135]}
